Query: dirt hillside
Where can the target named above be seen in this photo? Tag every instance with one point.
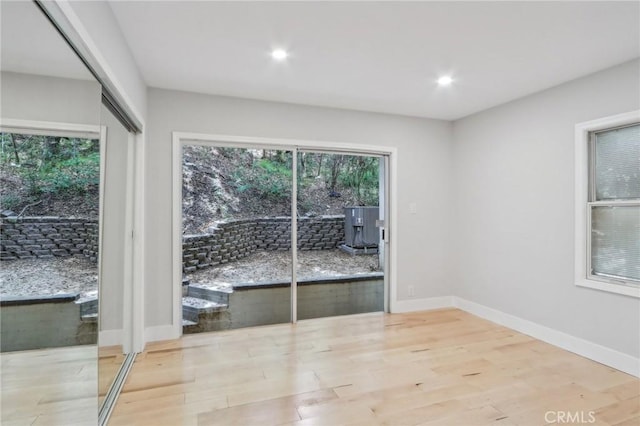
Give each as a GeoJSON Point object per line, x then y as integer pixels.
{"type": "Point", "coordinates": [213, 190]}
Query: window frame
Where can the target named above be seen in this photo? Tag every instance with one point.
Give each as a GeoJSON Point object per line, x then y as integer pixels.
{"type": "Point", "coordinates": [585, 202]}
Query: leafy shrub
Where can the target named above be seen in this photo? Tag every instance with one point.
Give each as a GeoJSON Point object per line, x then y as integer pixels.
{"type": "Point", "coordinates": [9, 201]}
{"type": "Point", "coordinates": [79, 175]}
{"type": "Point", "coordinates": [48, 165]}
{"type": "Point", "coordinates": [267, 179]}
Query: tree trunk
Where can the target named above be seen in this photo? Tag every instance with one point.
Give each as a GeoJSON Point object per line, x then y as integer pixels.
{"type": "Point", "coordinates": [303, 165]}
{"type": "Point", "coordinates": [335, 171]}
{"type": "Point", "coordinates": [320, 158]}
{"type": "Point", "coordinates": [15, 148]}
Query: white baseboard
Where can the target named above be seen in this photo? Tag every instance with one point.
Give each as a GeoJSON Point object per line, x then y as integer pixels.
{"type": "Point", "coordinates": [160, 332]}
{"type": "Point", "coordinates": [110, 338]}
{"type": "Point", "coordinates": [413, 305]}
{"type": "Point", "coordinates": [585, 348]}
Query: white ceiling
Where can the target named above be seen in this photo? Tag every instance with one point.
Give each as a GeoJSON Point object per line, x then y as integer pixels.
{"type": "Point", "coordinates": [31, 44]}
{"type": "Point", "coordinates": [382, 56]}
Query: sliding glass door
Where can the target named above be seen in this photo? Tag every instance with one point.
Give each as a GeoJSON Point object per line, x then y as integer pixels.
{"type": "Point", "coordinates": [241, 209]}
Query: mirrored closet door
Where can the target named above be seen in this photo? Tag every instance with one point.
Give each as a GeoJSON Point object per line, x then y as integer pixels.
{"type": "Point", "coordinates": [65, 201]}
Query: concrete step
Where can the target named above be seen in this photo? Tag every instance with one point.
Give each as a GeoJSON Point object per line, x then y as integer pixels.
{"type": "Point", "coordinates": [189, 327]}
{"type": "Point", "coordinates": [215, 292]}
{"type": "Point", "coordinates": [88, 306]}
{"type": "Point", "coordinates": [93, 317]}
{"type": "Point", "coordinates": [193, 308]}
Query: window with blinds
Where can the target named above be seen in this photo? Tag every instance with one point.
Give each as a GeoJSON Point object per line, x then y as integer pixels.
{"type": "Point", "coordinates": [614, 205]}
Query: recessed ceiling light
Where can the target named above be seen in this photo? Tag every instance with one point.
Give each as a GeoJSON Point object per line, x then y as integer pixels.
{"type": "Point", "coordinates": [279, 54]}
{"type": "Point", "coordinates": [445, 80]}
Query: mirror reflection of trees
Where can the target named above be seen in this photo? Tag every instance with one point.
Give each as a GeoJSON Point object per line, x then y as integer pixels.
{"type": "Point", "coordinates": [45, 175]}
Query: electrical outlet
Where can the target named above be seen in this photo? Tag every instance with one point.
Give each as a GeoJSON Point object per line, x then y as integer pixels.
{"type": "Point", "coordinates": [411, 290]}
{"type": "Point", "coordinates": [413, 208]}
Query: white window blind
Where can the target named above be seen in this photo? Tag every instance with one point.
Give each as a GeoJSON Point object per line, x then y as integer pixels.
{"type": "Point", "coordinates": [614, 204]}
{"type": "Point", "coordinates": [617, 164]}
{"type": "Point", "coordinates": [615, 240]}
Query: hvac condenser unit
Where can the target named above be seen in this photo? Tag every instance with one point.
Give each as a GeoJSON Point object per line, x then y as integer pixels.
{"type": "Point", "coordinates": [360, 231]}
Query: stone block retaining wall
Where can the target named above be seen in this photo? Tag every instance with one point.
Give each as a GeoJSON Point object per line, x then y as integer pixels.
{"type": "Point", "coordinates": [233, 240]}
{"type": "Point", "coordinates": [48, 237]}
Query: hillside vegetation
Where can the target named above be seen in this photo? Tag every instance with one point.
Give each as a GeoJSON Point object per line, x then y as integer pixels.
{"type": "Point", "coordinates": [57, 176]}
{"type": "Point", "coordinates": [226, 183]}
{"type": "Point", "coordinates": [51, 176]}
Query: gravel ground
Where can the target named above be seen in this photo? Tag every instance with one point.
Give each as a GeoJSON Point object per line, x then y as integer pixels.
{"type": "Point", "coordinates": [48, 276]}
{"type": "Point", "coordinates": [77, 275]}
{"type": "Point", "coordinates": [276, 265]}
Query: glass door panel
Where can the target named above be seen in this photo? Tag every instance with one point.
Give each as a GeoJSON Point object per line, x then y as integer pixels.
{"type": "Point", "coordinates": [236, 243]}
{"type": "Point", "coordinates": [339, 269]}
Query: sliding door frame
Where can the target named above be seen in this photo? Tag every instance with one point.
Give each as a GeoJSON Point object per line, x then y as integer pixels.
{"type": "Point", "coordinates": [181, 139]}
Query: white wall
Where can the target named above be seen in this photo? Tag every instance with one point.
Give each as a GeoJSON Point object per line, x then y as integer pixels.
{"type": "Point", "coordinates": [40, 98]}
{"type": "Point", "coordinates": [514, 210]}
{"type": "Point", "coordinates": [102, 32]}
{"type": "Point", "coordinates": [424, 162]}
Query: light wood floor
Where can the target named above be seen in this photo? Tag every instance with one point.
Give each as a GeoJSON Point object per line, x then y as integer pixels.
{"type": "Point", "coordinates": [442, 367]}
{"type": "Point", "coordinates": [49, 387]}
